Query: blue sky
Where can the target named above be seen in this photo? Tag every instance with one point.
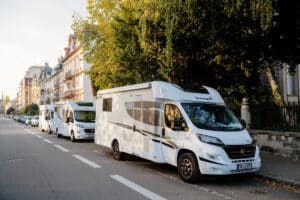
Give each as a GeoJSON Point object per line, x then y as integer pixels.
{"type": "Point", "coordinates": [32, 32]}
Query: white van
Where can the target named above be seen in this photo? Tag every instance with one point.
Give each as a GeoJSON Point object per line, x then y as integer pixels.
{"type": "Point", "coordinates": [163, 123]}
{"type": "Point", "coordinates": [45, 111]}
{"type": "Point", "coordinates": [74, 119]}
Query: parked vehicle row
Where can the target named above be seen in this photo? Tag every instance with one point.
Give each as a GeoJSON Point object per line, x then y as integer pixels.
{"type": "Point", "coordinates": [28, 120]}
{"type": "Point", "coordinates": [161, 122]}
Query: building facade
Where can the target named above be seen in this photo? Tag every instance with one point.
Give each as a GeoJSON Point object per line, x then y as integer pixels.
{"type": "Point", "coordinates": [76, 84]}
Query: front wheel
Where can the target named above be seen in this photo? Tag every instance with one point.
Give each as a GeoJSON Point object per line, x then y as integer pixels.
{"type": "Point", "coordinates": [57, 134]}
{"type": "Point", "coordinates": [116, 151]}
{"type": "Point", "coordinates": [188, 169]}
{"type": "Point", "coordinates": [73, 139]}
{"type": "Point", "coordinates": [49, 131]}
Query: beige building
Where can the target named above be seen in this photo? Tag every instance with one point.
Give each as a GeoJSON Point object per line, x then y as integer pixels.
{"type": "Point", "coordinates": [25, 88]}
{"type": "Point", "coordinates": [76, 84]}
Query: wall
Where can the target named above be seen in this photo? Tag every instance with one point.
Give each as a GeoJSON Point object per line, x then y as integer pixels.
{"type": "Point", "coordinates": [286, 144]}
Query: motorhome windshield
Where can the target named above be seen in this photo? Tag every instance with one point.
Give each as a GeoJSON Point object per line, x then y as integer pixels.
{"type": "Point", "coordinates": [212, 117]}
{"type": "Point", "coordinates": [84, 116]}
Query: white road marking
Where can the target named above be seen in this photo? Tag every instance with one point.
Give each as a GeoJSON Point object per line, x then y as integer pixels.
{"type": "Point", "coordinates": [143, 191]}
{"type": "Point", "coordinates": [38, 136]}
{"type": "Point", "coordinates": [86, 161]}
{"type": "Point", "coordinates": [48, 141]}
{"type": "Point", "coordinates": [29, 131]}
{"type": "Point", "coordinates": [62, 148]}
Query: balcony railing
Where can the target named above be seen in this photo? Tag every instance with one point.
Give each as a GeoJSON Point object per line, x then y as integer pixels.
{"type": "Point", "coordinates": [69, 94]}
{"type": "Point", "coordinates": [68, 76]}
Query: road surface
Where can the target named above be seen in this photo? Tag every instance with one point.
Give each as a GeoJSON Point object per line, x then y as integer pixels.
{"type": "Point", "coordinates": [35, 165]}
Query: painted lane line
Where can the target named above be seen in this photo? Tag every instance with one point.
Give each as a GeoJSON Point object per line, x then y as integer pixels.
{"type": "Point", "coordinates": [86, 161]}
{"type": "Point", "coordinates": [48, 141]}
{"type": "Point", "coordinates": [29, 131]}
{"type": "Point", "coordinates": [39, 136]}
{"type": "Point", "coordinates": [62, 148]}
{"type": "Point", "coordinates": [143, 191]}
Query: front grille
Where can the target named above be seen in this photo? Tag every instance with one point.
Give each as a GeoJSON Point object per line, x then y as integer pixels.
{"type": "Point", "coordinates": [240, 151]}
{"type": "Point", "coordinates": [89, 130]}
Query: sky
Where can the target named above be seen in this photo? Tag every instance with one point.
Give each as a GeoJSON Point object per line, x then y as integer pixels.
{"type": "Point", "coordinates": [32, 32]}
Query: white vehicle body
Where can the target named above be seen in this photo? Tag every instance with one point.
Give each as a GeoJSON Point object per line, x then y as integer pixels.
{"type": "Point", "coordinates": [74, 119]}
{"type": "Point", "coordinates": [35, 121]}
{"type": "Point", "coordinates": [143, 119]}
{"type": "Point", "coordinates": [43, 117]}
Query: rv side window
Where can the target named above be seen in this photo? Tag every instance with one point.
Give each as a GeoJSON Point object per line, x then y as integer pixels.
{"type": "Point", "coordinates": [107, 105]}
{"type": "Point", "coordinates": [174, 118]}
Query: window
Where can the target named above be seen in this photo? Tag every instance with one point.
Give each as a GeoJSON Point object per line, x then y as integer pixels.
{"type": "Point", "coordinates": [174, 118]}
{"type": "Point", "coordinates": [107, 105]}
{"type": "Point", "coordinates": [212, 117]}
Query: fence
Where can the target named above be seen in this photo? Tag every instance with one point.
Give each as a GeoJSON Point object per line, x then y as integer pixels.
{"type": "Point", "coordinates": [272, 117]}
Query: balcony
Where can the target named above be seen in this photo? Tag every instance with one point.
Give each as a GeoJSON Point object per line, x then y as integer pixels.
{"type": "Point", "coordinates": [69, 94]}
{"type": "Point", "coordinates": [68, 76]}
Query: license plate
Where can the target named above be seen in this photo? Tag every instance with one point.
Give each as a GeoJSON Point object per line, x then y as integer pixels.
{"type": "Point", "coordinates": [243, 166]}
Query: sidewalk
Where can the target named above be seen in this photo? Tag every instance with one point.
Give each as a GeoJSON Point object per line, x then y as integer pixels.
{"type": "Point", "coordinates": [280, 169]}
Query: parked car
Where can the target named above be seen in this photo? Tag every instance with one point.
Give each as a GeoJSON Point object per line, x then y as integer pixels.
{"type": "Point", "coordinates": [28, 120]}
{"type": "Point", "coordinates": [35, 121]}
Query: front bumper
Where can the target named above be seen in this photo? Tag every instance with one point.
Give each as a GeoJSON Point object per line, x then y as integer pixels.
{"type": "Point", "coordinates": [223, 165]}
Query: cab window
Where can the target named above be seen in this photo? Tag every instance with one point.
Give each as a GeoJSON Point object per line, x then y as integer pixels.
{"type": "Point", "coordinates": [174, 118]}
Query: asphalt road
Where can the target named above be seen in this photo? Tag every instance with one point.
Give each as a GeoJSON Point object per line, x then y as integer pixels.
{"type": "Point", "coordinates": [35, 165]}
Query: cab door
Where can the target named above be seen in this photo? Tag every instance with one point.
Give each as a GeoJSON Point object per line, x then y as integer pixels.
{"type": "Point", "coordinates": [175, 131]}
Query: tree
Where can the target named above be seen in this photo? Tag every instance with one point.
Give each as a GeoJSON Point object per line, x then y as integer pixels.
{"type": "Point", "coordinates": [32, 109]}
{"type": "Point", "coordinates": [6, 100]}
{"type": "Point", "coordinates": [196, 42]}
{"type": "Point", "coordinates": [10, 110]}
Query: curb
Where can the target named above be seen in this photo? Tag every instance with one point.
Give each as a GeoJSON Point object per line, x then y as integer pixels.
{"type": "Point", "coordinates": [295, 186]}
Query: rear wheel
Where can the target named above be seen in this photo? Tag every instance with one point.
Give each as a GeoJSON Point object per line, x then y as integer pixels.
{"type": "Point", "coordinates": [116, 151]}
{"type": "Point", "coordinates": [188, 169]}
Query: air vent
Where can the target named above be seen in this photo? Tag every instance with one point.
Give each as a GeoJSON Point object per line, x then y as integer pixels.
{"type": "Point", "coordinates": [89, 104]}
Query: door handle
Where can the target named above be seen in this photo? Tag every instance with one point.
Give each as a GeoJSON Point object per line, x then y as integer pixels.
{"type": "Point", "coordinates": [133, 128]}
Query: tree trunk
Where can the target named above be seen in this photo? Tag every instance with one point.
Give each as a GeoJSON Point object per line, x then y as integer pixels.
{"type": "Point", "coordinates": [274, 87]}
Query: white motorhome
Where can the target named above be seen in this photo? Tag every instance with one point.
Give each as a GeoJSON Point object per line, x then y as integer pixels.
{"type": "Point", "coordinates": [163, 123]}
{"type": "Point", "coordinates": [75, 119]}
{"type": "Point", "coordinates": [44, 117]}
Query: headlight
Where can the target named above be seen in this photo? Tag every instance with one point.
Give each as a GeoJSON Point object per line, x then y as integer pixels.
{"type": "Point", "coordinates": [210, 140]}
{"type": "Point", "coordinates": [79, 125]}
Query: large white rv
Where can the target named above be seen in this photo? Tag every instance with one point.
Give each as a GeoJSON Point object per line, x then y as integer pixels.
{"type": "Point", "coordinates": [163, 123]}
{"type": "Point", "coordinates": [74, 119]}
{"type": "Point", "coordinates": [44, 117]}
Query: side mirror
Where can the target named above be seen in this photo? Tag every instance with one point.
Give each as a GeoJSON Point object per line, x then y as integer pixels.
{"type": "Point", "coordinates": [243, 122]}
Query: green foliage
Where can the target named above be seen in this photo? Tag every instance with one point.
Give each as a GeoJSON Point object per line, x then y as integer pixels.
{"type": "Point", "coordinates": [32, 109]}
{"type": "Point", "coordinates": [10, 110]}
{"type": "Point", "coordinates": [194, 42]}
{"type": "Point", "coordinates": [22, 110]}
{"type": "Point", "coordinates": [6, 100]}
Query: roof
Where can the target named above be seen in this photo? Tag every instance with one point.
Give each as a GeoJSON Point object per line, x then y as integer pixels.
{"type": "Point", "coordinates": [165, 90]}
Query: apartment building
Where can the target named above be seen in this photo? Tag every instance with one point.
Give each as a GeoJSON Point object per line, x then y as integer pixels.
{"type": "Point", "coordinates": [25, 92]}
{"type": "Point", "coordinates": [76, 84]}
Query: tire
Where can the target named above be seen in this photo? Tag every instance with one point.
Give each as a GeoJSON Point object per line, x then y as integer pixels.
{"type": "Point", "coordinates": [188, 169]}
{"type": "Point", "coordinates": [116, 151]}
{"type": "Point", "coordinates": [57, 134]}
{"type": "Point", "coordinates": [73, 139]}
{"type": "Point", "coordinates": [49, 131]}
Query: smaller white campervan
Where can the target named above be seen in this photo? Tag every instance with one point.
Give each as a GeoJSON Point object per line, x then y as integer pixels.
{"type": "Point", "coordinates": [164, 123]}
{"type": "Point", "coordinates": [44, 117]}
{"type": "Point", "coordinates": [74, 119]}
